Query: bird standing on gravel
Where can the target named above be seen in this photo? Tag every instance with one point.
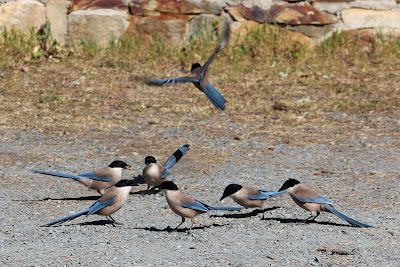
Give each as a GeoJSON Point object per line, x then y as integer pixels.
{"type": "Point", "coordinates": [247, 197]}
{"type": "Point", "coordinates": [112, 200]}
{"type": "Point", "coordinates": [155, 174]}
{"type": "Point", "coordinates": [200, 77]}
{"type": "Point", "coordinates": [184, 205]}
{"type": "Point", "coordinates": [311, 201]}
{"type": "Point", "coordinates": [98, 180]}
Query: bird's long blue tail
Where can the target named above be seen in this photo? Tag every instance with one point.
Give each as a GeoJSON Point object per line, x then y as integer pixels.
{"type": "Point", "coordinates": [57, 174]}
{"type": "Point", "coordinates": [214, 96]}
{"type": "Point", "coordinates": [90, 175]}
{"type": "Point", "coordinates": [208, 207]}
{"type": "Point", "coordinates": [345, 218]}
{"type": "Point", "coordinates": [264, 194]}
{"type": "Point", "coordinates": [68, 218]}
{"type": "Point", "coordinates": [176, 156]}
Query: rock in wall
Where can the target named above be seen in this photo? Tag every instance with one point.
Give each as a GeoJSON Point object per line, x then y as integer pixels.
{"type": "Point", "coordinates": [177, 20]}
{"type": "Point", "coordinates": [22, 14]}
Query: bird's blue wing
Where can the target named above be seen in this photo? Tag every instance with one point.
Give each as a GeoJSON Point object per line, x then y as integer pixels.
{"type": "Point", "coordinates": [176, 157]}
{"type": "Point", "coordinates": [224, 208]}
{"type": "Point", "coordinates": [64, 175]}
{"type": "Point", "coordinates": [205, 67]}
{"type": "Point", "coordinates": [68, 218]}
{"type": "Point", "coordinates": [195, 206]}
{"type": "Point", "coordinates": [345, 218]}
{"type": "Point", "coordinates": [93, 176]}
{"type": "Point", "coordinates": [98, 205]}
{"type": "Point", "coordinates": [319, 199]}
{"type": "Point", "coordinates": [213, 95]}
{"type": "Point", "coordinates": [221, 45]}
{"type": "Point", "coordinates": [174, 80]}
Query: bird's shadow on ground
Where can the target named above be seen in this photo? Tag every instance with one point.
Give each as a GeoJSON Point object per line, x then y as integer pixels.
{"type": "Point", "coordinates": [245, 215]}
{"type": "Point", "coordinates": [72, 198]}
{"type": "Point", "coordinates": [65, 198]}
{"type": "Point", "coordinates": [299, 221]}
{"type": "Point", "coordinates": [97, 222]}
{"type": "Point", "coordinates": [180, 230]}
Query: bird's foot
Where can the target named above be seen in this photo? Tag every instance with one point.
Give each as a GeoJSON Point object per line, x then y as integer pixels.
{"type": "Point", "coordinates": [113, 221]}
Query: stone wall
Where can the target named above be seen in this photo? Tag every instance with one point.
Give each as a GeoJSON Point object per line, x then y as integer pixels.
{"type": "Point", "coordinates": [104, 20]}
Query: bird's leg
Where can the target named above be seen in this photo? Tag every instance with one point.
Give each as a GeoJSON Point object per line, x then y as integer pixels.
{"type": "Point", "coordinates": [190, 227]}
{"type": "Point", "coordinates": [183, 220]}
{"type": "Point", "coordinates": [146, 191]}
{"type": "Point", "coordinates": [313, 216]}
{"type": "Point", "coordinates": [154, 189]}
{"type": "Point", "coordinates": [113, 222]}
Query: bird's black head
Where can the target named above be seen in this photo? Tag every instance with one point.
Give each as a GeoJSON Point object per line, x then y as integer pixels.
{"type": "Point", "coordinates": [168, 185]}
{"type": "Point", "coordinates": [119, 164]}
{"type": "Point", "coordinates": [195, 66]}
{"type": "Point", "coordinates": [289, 183]}
{"type": "Point", "coordinates": [150, 159]}
{"type": "Point", "coordinates": [126, 182]}
{"type": "Point", "coordinates": [230, 189]}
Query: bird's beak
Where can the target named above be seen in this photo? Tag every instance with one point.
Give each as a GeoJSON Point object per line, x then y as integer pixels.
{"type": "Point", "coordinates": [128, 167]}
{"type": "Point", "coordinates": [222, 197]}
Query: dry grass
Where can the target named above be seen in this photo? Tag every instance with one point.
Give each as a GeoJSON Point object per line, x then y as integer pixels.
{"type": "Point", "coordinates": [276, 90]}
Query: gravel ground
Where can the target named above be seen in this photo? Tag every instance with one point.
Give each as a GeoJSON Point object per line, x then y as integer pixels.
{"type": "Point", "coordinates": [359, 171]}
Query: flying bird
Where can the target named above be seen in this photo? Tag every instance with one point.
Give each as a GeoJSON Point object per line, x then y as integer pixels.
{"type": "Point", "coordinates": [155, 174]}
{"type": "Point", "coordinates": [98, 180]}
{"type": "Point", "coordinates": [200, 76]}
{"type": "Point", "coordinates": [311, 201]}
{"type": "Point", "coordinates": [112, 200]}
{"type": "Point", "coordinates": [248, 197]}
{"type": "Point", "coordinates": [184, 205]}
